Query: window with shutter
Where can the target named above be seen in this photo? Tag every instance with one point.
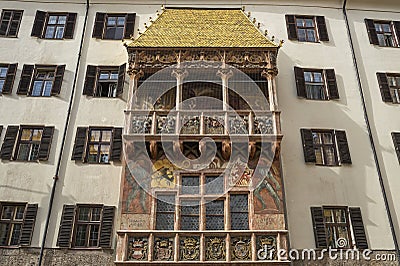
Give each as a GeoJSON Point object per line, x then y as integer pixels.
{"type": "Point", "coordinates": [382, 33]}
{"type": "Point", "coordinates": [34, 143]}
{"type": "Point", "coordinates": [9, 22]}
{"type": "Point", "coordinates": [114, 26]}
{"type": "Point", "coordinates": [10, 138]}
{"type": "Point", "coordinates": [26, 79]}
{"type": "Point", "coordinates": [17, 222]}
{"type": "Point", "coordinates": [104, 81]}
{"type": "Point", "coordinates": [396, 142]}
{"type": "Point", "coordinates": [389, 85]}
{"type": "Point", "coordinates": [38, 24]}
{"type": "Point", "coordinates": [307, 28]}
{"type": "Point", "coordinates": [78, 153]}
{"type": "Point", "coordinates": [7, 77]}
{"type": "Point", "coordinates": [316, 84]}
{"type": "Point", "coordinates": [54, 25]}
{"type": "Point", "coordinates": [66, 225]}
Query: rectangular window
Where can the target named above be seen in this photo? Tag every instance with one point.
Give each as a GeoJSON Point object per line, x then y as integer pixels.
{"type": "Point", "coordinates": [3, 76]}
{"type": "Point", "coordinates": [394, 86]}
{"type": "Point", "coordinates": [87, 224]}
{"type": "Point", "coordinates": [307, 28]}
{"type": "Point", "coordinates": [385, 33]}
{"type": "Point", "coordinates": [337, 227]}
{"type": "Point", "coordinates": [190, 214]}
{"type": "Point", "coordinates": [107, 83]}
{"type": "Point", "coordinates": [165, 212]}
{"type": "Point", "coordinates": [239, 212]}
{"type": "Point", "coordinates": [114, 26]}
{"type": "Point", "coordinates": [99, 143]}
{"type": "Point", "coordinates": [43, 82]}
{"type": "Point", "coordinates": [55, 26]}
{"type": "Point", "coordinates": [15, 216]}
{"type": "Point", "coordinates": [9, 22]}
{"type": "Point", "coordinates": [29, 144]}
{"type": "Point", "coordinates": [325, 147]}
{"type": "Point", "coordinates": [215, 213]}
{"type": "Point", "coordinates": [315, 85]}
{"type": "Point", "coordinates": [190, 185]}
{"type": "Point", "coordinates": [104, 81]}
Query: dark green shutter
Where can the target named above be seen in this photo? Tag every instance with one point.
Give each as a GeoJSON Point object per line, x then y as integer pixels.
{"type": "Point", "coordinates": [28, 225]}
{"type": "Point", "coordinates": [45, 143]}
{"type": "Point", "coordinates": [384, 87]}
{"type": "Point", "coordinates": [317, 216]}
{"type": "Point", "coordinates": [358, 228]}
{"type": "Point", "coordinates": [129, 25]}
{"type": "Point", "coordinates": [300, 82]}
{"type": "Point", "coordinates": [26, 79]}
{"type": "Point", "coordinates": [78, 152]}
{"type": "Point", "coordinates": [90, 80]}
{"type": "Point", "coordinates": [331, 84]}
{"type": "Point", "coordinates": [322, 30]}
{"type": "Point", "coordinates": [38, 25]}
{"type": "Point", "coordinates": [291, 27]}
{"type": "Point", "coordinates": [70, 26]}
{"type": "Point", "coordinates": [99, 25]}
{"type": "Point", "coordinates": [308, 145]}
{"type": "Point", "coordinates": [373, 37]}
{"type": "Point", "coordinates": [107, 223]}
{"type": "Point", "coordinates": [9, 82]}
{"type": "Point", "coordinates": [9, 142]}
{"type": "Point", "coordinates": [59, 75]}
{"type": "Point", "coordinates": [121, 79]}
{"type": "Point", "coordinates": [117, 144]}
{"type": "Point", "coordinates": [66, 225]}
{"type": "Point", "coordinates": [343, 146]}
{"type": "Point", "coordinates": [396, 141]}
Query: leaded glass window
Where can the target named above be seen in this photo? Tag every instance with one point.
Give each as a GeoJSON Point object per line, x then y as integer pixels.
{"type": "Point", "coordinates": [215, 215]}
{"type": "Point", "coordinates": [165, 212]}
{"type": "Point", "coordinates": [190, 185]}
{"type": "Point", "coordinates": [239, 211]}
{"type": "Point", "coordinates": [190, 214]}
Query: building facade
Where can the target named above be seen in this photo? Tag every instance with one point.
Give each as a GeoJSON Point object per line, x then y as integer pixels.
{"type": "Point", "coordinates": [108, 161]}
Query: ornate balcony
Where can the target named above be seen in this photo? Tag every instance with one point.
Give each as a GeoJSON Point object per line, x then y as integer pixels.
{"type": "Point", "coordinates": [259, 246]}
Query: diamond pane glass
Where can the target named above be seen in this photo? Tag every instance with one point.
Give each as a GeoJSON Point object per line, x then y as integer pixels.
{"type": "Point", "coordinates": [214, 185]}
{"type": "Point", "coordinates": [190, 185]}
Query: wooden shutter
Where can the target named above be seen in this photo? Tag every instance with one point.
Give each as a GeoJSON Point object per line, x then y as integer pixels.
{"type": "Point", "coordinates": [343, 146]}
{"type": "Point", "coordinates": [373, 37]}
{"type": "Point", "coordinates": [9, 142]}
{"type": "Point", "coordinates": [117, 144]}
{"type": "Point", "coordinates": [70, 26]}
{"type": "Point", "coordinates": [66, 225]}
{"type": "Point", "coordinates": [9, 82]}
{"type": "Point", "coordinates": [317, 216]}
{"type": "Point", "coordinates": [291, 27]}
{"type": "Point", "coordinates": [99, 25]}
{"type": "Point", "coordinates": [331, 84]}
{"type": "Point", "coordinates": [26, 79]}
{"type": "Point", "coordinates": [384, 87]}
{"type": "Point", "coordinates": [358, 228]}
{"type": "Point", "coordinates": [129, 25]}
{"type": "Point", "coordinates": [121, 79]}
{"type": "Point", "coordinates": [58, 79]}
{"type": "Point", "coordinates": [45, 143]}
{"type": "Point", "coordinates": [38, 25]}
{"type": "Point", "coordinates": [396, 141]}
{"type": "Point", "coordinates": [300, 82]}
{"type": "Point", "coordinates": [397, 29]}
{"type": "Point", "coordinates": [90, 80]}
{"type": "Point", "coordinates": [308, 145]}
{"type": "Point", "coordinates": [78, 152]}
{"type": "Point", "coordinates": [322, 30]}
{"type": "Point", "coordinates": [28, 225]}
{"type": "Point", "coordinates": [107, 226]}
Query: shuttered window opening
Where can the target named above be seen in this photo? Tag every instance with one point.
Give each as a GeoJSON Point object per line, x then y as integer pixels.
{"type": "Point", "coordinates": [334, 227]}
{"type": "Point", "coordinates": [307, 28]}
{"type": "Point", "coordinates": [104, 81]}
{"type": "Point", "coordinates": [325, 147]}
{"type": "Point", "coordinates": [27, 143]}
{"type": "Point", "coordinates": [114, 26]}
{"type": "Point", "coordinates": [17, 221]}
{"type": "Point", "coordinates": [86, 226]}
{"type": "Point", "coordinates": [9, 22]}
{"type": "Point", "coordinates": [389, 85]}
{"type": "Point", "coordinates": [383, 33]}
{"type": "Point", "coordinates": [396, 142]}
{"type": "Point", "coordinates": [7, 77]}
{"type": "Point", "coordinates": [98, 145]}
{"type": "Point", "coordinates": [41, 80]}
{"type": "Point", "coordinates": [316, 84]}
{"type": "Point", "coordinates": [54, 25]}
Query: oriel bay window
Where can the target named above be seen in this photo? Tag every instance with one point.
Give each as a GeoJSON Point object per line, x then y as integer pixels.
{"type": "Point", "coordinates": [86, 226]}
{"type": "Point", "coordinates": [27, 143]}
{"type": "Point", "coordinates": [325, 147]}
{"type": "Point", "coordinates": [200, 208]}
{"type": "Point", "coordinates": [41, 80]}
{"type": "Point", "coordinates": [97, 145]}
{"type": "Point", "coordinates": [17, 221]}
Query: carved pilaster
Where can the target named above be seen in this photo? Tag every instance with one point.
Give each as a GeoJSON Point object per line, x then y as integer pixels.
{"type": "Point", "coordinates": [179, 74]}
{"type": "Point", "coordinates": [225, 74]}
{"type": "Point", "coordinates": [270, 75]}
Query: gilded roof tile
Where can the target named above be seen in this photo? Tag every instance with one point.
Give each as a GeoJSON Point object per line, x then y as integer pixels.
{"type": "Point", "coordinates": [202, 28]}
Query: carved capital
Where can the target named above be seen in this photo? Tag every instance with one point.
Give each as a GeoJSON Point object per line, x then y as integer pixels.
{"type": "Point", "coordinates": [269, 73]}
{"type": "Point", "coordinates": [179, 73]}
{"type": "Point", "coordinates": [224, 73]}
{"type": "Point", "coordinates": [135, 73]}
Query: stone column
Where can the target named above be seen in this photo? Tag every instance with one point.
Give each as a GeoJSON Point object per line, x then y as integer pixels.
{"type": "Point", "coordinates": [179, 74]}
{"type": "Point", "coordinates": [134, 75]}
{"type": "Point", "coordinates": [270, 75]}
{"type": "Point", "coordinates": [225, 74]}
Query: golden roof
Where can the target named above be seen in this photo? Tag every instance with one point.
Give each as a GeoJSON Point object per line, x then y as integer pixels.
{"type": "Point", "coordinates": [202, 28]}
